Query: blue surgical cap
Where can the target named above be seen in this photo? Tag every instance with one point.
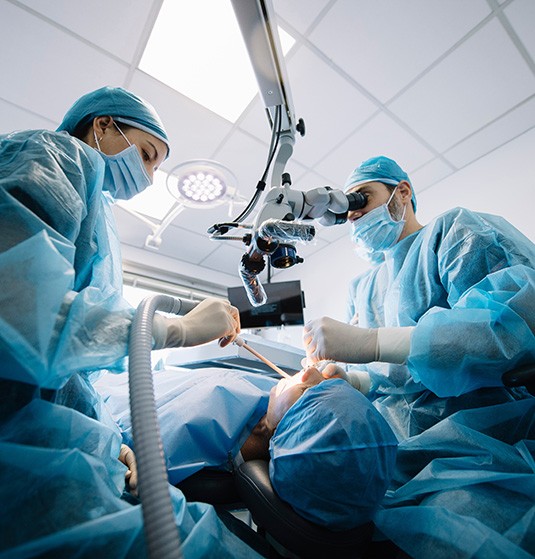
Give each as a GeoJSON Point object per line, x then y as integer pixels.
{"type": "Point", "coordinates": [380, 169]}
{"type": "Point", "coordinates": [332, 456]}
{"type": "Point", "coordinates": [118, 103]}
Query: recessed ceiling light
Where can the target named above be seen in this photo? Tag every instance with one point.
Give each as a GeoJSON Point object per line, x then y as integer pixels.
{"type": "Point", "coordinates": [196, 48]}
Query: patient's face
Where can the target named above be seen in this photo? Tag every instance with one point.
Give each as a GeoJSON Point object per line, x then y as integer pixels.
{"type": "Point", "coordinates": [284, 395]}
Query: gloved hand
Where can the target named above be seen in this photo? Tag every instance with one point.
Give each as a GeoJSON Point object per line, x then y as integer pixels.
{"type": "Point", "coordinates": [332, 370]}
{"type": "Point", "coordinates": [128, 458]}
{"type": "Point", "coordinates": [358, 379]}
{"type": "Point", "coordinates": [325, 338]}
{"type": "Point", "coordinates": [209, 320]}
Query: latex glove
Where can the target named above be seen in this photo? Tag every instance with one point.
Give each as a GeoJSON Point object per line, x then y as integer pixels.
{"type": "Point", "coordinates": [332, 370]}
{"type": "Point", "coordinates": [357, 379]}
{"type": "Point", "coordinates": [209, 320]}
{"type": "Point", "coordinates": [325, 338]}
{"type": "Point", "coordinates": [128, 458]}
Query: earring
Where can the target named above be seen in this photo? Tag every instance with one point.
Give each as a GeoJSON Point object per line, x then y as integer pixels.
{"type": "Point", "coordinates": [97, 141]}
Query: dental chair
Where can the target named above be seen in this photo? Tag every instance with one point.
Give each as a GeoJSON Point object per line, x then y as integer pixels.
{"type": "Point", "coordinates": [287, 533]}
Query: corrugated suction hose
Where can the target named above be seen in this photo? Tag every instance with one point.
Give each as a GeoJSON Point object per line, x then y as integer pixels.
{"type": "Point", "coordinates": [161, 532]}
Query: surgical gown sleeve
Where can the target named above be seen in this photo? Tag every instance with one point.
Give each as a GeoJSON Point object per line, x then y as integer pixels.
{"type": "Point", "coordinates": [61, 308]}
{"type": "Point", "coordinates": [486, 267]}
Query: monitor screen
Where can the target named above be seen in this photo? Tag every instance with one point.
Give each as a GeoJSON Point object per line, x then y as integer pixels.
{"type": "Point", "coordinates": [285, 302]}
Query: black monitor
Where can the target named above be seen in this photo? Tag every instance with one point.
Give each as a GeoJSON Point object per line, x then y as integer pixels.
{"type": "Point", "coordinates": [285, 302]}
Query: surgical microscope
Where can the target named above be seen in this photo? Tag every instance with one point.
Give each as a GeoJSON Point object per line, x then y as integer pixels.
{"type": "Point", "coordinates": [285, 215]}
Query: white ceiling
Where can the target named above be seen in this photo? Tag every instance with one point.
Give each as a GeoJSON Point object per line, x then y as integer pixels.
{"type": "Point", "coordinates": [447, 88]}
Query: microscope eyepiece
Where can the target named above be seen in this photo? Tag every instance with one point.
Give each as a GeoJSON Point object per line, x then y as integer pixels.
{"type": "Point", "coordinates": [356, 201]}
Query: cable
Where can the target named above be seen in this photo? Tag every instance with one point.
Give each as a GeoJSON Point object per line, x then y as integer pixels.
{"type": "Point", "coordinates": [274, 143]}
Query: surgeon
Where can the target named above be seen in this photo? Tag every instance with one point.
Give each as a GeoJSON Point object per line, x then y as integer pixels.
{"type": "Point", "coordinates": [331, 453]}
{"type": "Point", "coordinates": [63, 319]}
{"type": "Point", "coordinates": [443, 312]}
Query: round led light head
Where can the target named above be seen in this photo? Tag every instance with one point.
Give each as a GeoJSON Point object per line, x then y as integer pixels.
{"type": "Point", "coordinates": [201, 183]}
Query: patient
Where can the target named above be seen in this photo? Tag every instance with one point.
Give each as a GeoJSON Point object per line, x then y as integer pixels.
{"type": "Point", "coordinates": [331, 453]}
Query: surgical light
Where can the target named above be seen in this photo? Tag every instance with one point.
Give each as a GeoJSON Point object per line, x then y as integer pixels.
{"type": "Point", "coordinates": [201, 183]}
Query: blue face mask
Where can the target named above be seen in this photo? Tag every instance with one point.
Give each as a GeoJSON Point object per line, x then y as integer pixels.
{"type": "Point", "coordinates": [376, 231]}
{"type": "Point", "coordinates": [125, 174]}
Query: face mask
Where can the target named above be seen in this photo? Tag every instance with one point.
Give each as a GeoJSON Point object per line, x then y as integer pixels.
{"type": "Point", "coordinates": [125, 174]}
{"type": "Point", "coordinates": [376, 231]}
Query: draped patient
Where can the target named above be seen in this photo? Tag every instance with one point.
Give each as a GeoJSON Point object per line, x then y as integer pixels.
{"type": "Point", "coordinates": [331, 453]}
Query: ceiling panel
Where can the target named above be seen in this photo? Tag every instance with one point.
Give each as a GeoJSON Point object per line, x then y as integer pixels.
{"type": "Point", "coordinates": [521, 14]}
{"type": "Point", "coordinates": [383, 44]}
{"type": "Point", "coordinates": [429, 174]}
{"type": "Point", "coordinates": [225, 257]}
{"type": "Point", "coordinates": [330, 107]}
{"type": "Point", "coordinates": [100, 21]}
{"type": "Point", "coordinates": [199, 220]}
{"type": "Point", "coordinates": [246, 157]}
{"type": "Point", "coordinates": [501, 183]}
{"type": "Point", "coordinates": [478, 82]}
{"type": "Point", "coordinates": [131, 230]}
{"type": "Point", "coordinates": [194, 131]}
{"type": "Point", "coordinates": [44, 69]}
{"type": "Point", "coordinates": [381, 135]}
{"type": "Point", "coordinates": [495, 134]}
{"type": "Point", "coordinates": [254, 120]}
{"type": "Point", "coordinates": [14, 118]}
{"type": "Point", "coordinates": [184, 245]}
{"type": "Point", "coordinates": [300, 14]}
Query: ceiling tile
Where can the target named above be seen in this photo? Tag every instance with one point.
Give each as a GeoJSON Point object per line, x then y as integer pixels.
{"type": "Point", "coordinates": [138, 258]}
{"type": "Point", "coordinates": [198, 220]}
{"type": "Point", "coordinates": [45, 69]}
{"type": "Point", "coordinates": [101, 21]}
{"type": "Point", "coordinates": [495, 134]}
{"type": "Point", "coordinates": [299, 13]}
{"type": "Point", "coordinates": [14, 118]}
{"type": "Point", "coordinates": [501, 183]}
{"type": "Point", "coordinates": [521, 14]}
{"type": "Point", "coordinates": [131, 230]}
{"type": "Point", "coordinates": [255, 121]}
{"type": "Point", "coordinates": [430, 173]}
{"type": "Point", "coordinates": [379, 136]}
{"type": "Point", "coordinates": [186, 122]}
{"type": "Point", "coordinates": [383, 45]}
{"type": "Point", "coordinates": [478, 82]}
{"type": "Point", "coordinates": [225, 257]}
{"type": "Point", "coordinates": [329, 105]}
{"type": "Point", "coordinates": [184, 245]}
{"type": "Point", "coordinates": [246, 157]}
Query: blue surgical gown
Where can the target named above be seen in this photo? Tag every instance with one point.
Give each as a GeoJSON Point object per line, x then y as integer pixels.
{"type": "Point", "coordinates": [466, 282]}
{"type": "Point", "coordinates": [62, 319]}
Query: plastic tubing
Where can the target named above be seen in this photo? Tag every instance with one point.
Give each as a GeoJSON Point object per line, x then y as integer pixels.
{"type": "Point", "coordinates": [161, 532]}
{"type": "Point", "coordinates": [255, 292]}
{"type": "Point", "coordinates": [286, 230]}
